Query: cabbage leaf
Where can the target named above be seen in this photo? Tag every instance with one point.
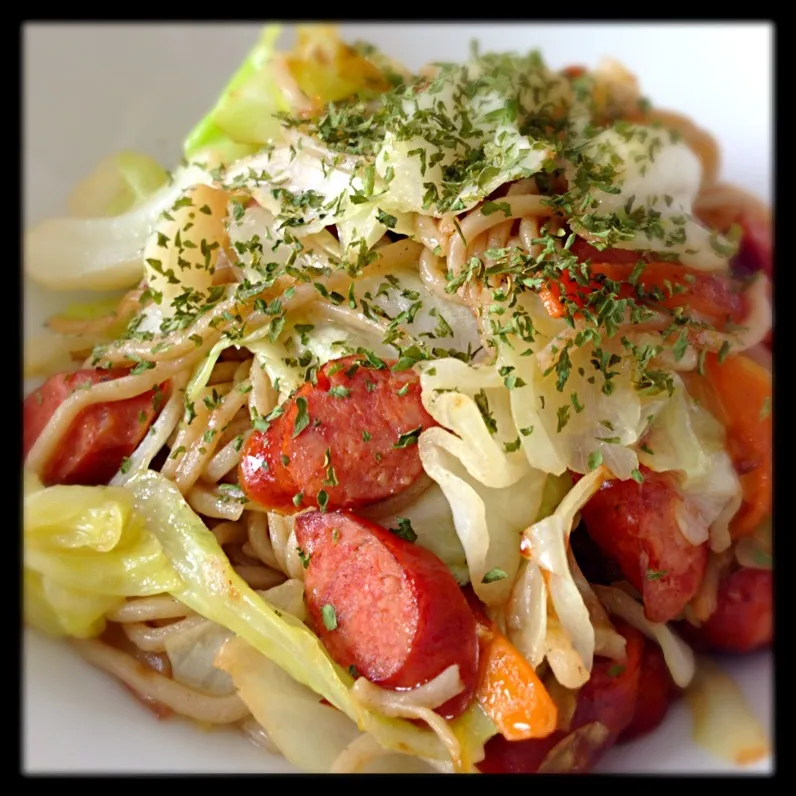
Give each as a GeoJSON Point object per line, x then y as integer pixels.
{"type": "Point", "coordinates": [570, 637]}
{"type": "Point", "coordinates": [118, 183]}
{"type": "Point", "coordinates": [85, 551]}
{"type": "Point", "coordinates": [101, 253]}
{"type": "Point", "coordinates": [243, 116]}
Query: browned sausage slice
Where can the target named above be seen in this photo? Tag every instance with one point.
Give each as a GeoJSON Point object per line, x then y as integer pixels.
{"type": "Point", "coordinates": [346, 441]}
{"type": "Point", "coordinates": [387, 607]}
{"type": "Point", "coordinates": [100, 437]}
{"type": "Point", "coordinates": [744, 617]}
{"type": "Point", "coordinates": [636, 526]}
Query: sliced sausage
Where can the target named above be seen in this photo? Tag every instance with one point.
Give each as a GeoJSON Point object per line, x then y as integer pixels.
{"type": "Point", "coordinates": [744, 617]}
{"type": "Point", "coordinates": [635, 524]}
{"type": "Point", "coordinates": [387, 607]}
{"type": "Point", "coordinates": [717, 298]}
{"type": "Point", "coordinates": [352, 436]}
{"type": "Point", "coordinates": [609, 697]}
{"type": "Point", "coordinates": [101, 435]}
{"type": "Point", "coordinates": [262, 473]}
{"type": "Point", "coordinates": [656, 692]}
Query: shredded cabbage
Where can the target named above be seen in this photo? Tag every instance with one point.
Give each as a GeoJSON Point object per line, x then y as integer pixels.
{"type": "Point", "coordinates": [486, 124]}
{"type": "Point", "coordinates": [678, 655]}
{"type": "Point", "coordinates": [660, 187]}
{"type": "Point", "coordinates": [320, 69]}
{"type": "Point", "coordinates": [243, 116]}
{"type": "Point", "coordinates": [570, 641]}
{"type": "Point", "coordinates": [607, 425]}
{"type": "Point", "coordinates": [686, 438]}
{"type": "Point", "coordinates": [488, 520]}
{"type": "Point", "coordinates": [328, 70]}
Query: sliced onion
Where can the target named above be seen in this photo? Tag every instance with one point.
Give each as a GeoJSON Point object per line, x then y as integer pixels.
{"type": "Point", "coordinates": [432, 694]}
{"type": "Point", "coordinates": [389, 703]}
{"type": "Point", "coordinates": [564, 660]}
{"type": "Point", "coordinates": [192, 653]}
{"type": "Point", "coordinates": [720, 537]}
{"type": "Point", "coordinates": [365, 755]}
{"type": "Point", "coordinates": [284, 544]}
{"type": "Point", "coordinates": [569, 642]}
{"type": "Point", "coordinates": [289, 597]}
{"type": "Point", "coordinates": [526, 613]}
{"type": "Point", "coordinates": [362, 750]}
{"type": "Point", "coordinates": [608, 643]}
{"type": "Point", "coordinates": [724, 724]}
{"type": "Point", "coordinates": [186, 701]}
{"type": "Point", "coordinates": [678, 655]}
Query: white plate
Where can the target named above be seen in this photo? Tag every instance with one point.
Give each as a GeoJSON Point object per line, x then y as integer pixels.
{"type": "Point", "coordinates": [91, 90]}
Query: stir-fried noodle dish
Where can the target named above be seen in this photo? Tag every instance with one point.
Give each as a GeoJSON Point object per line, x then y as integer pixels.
{"type": "Point", "coordinates": [429, 425]}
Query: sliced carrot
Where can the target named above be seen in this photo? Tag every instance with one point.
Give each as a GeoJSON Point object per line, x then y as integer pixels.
{"type": "Point", "coordinates": [551, 298]}
{"type": "Point", "coordinates": [511, 693]}
{"type": "Point", "coordinates": [738, 393]}
{"type": "Point", "coordinates": [574, 293]}
{"type": "Point", "coordinates": [744, 391]}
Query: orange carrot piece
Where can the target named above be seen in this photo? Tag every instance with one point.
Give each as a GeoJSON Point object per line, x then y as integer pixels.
{"type": "Point", "coordinates": [738, 393]}
{"type": "Point", "coordinates": [550, 295]}
{"type": "Point", "coordinates": [744, 392]}
{"type": "Point", "coordinates": [511, 693]}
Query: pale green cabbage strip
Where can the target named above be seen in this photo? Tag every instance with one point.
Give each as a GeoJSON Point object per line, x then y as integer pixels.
{"type": "Point", "coordinates": [243, 117]}
{"type": "Point", "coordinates": [118, 183]}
